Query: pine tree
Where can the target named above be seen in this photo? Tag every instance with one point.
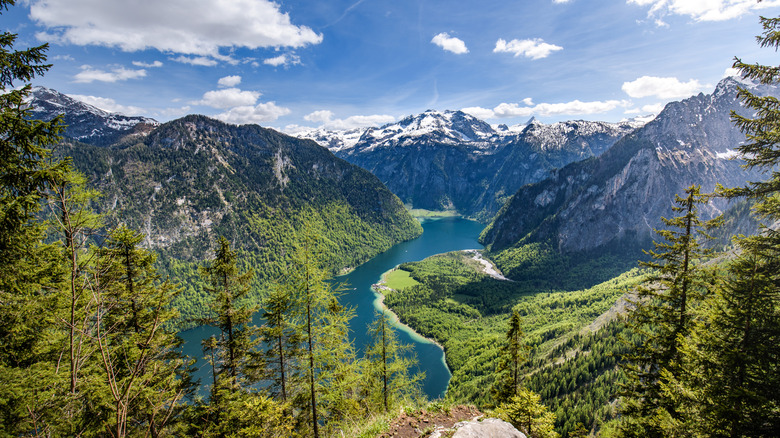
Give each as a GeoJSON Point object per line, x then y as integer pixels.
{"type": "Point", "coordinates": [327, 364]}
{"type": "Point", "coordinates": [513, 355]}
{"type": "Point", "coordinates": [236, 364]}
{"type": "Point", "coordinates": [663, 313]}
{"type": "Point", "coordinates": [734, 352]}
{"type": "Point", "coordinates": [282, 338]}
{"type": "Point", "coordinates": [389, 363]}
{"type": "Point", "coordinates": [147, 376]}
{"type": "Point", "coordinates": [29, 268]}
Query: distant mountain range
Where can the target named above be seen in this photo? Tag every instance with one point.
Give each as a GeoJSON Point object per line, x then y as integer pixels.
{"type": "Point", "coordinates": [619, 197]}
{"type": "Point", "coordinates": [453, 161]}
{"type": "Point", "coordinates": [86, 123]}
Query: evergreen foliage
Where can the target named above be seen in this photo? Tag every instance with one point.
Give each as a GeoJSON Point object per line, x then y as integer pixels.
{"type": "Point", "coordinates": [387, 375]}
{"type": "Point", "coordinates": [663, 314]}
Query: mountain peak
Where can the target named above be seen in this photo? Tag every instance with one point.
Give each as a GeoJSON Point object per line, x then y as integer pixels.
{"type": "Point", "coordinates": [85, 123]}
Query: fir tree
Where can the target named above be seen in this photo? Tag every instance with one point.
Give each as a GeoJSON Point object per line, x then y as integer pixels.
{"type": "Point", "coordinates": [282, 338]}
{"type": "Point", "coordinates": [236, 363]}
{"type": "Point", "coordinates": [147, 376]}
{"type": "Point", "coordinates": [29, 268]}
{"type": "Point", "coordinates": [663, 313]}
{"type": "Point", "coordinates": [513, 355]}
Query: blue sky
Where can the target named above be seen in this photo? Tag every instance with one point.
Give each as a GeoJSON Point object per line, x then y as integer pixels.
{"type": "Point", "coordinates": [343, 64]}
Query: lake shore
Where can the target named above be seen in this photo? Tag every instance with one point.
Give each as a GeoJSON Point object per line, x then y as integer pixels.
{"type": "Point", "coordinates": [379, 305]}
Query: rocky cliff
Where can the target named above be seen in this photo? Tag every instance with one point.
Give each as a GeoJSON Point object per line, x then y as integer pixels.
{"type": "Point", "coordinates": [621, 195]}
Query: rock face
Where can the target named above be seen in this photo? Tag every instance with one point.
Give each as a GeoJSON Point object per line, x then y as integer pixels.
{"type": "Point", "coordinates": [85, 122]}
{"type": "Point", "coordinates": [488, 428]}
{"type": "Point", "coordinates": [451, 160]}
{"type": "Point", "coordinates": [194, 178]}
{"type": "Point", "coordinates": [622, 194]}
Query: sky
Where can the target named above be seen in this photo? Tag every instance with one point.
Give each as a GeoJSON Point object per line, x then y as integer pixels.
{"type": "Point", "coordinates": [295, 64]}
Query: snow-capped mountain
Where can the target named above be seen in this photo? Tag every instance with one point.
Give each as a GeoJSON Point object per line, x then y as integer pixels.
{"type": "Point", "coordinates": [617, 199]}
{"type": "Point", "coordinates": [442, 160]}
{"type": "Point", "coordinates": [85, 123]}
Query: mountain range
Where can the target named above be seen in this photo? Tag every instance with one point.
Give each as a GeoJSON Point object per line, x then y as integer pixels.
{"type": "Point", "coordinates": [618, 198]}
{"type": "Point", "coordinates": [453, 161]}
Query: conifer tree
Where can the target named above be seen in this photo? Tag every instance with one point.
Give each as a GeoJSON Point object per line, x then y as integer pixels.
{"type": "Point", "coordinates": [526, 412]}
{"type": "Point", "coordinates": [513, 355]}
{"type": "Point", "coordinates": [328, 361]}
{"type": "Point", "coordinates": [236, 359]}
{"type": "Point", "coordinates": [389, 363]}
{"type": "Point", "coordinates": [734, 352]}
{"type": "Point", "coordinates": [29, 268]}
{"type": "Point", "coordinates": [282, 338]}
{"type": "Point", "coordinates": [662, 316]}
{"type": "Point", "coordinates": [146, 375]}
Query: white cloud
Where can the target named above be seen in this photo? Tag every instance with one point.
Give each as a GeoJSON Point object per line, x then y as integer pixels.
{"type": "Point", "coordinates": [479, 112]}
{"type": "Point", "coordinates": [228, 98]}
{"type": "Point", "coordinates": [109, 105]}
{"type": "Point", "coordinates": [284, 59]}
{"type": "Point", "coordinates": [188, 27]}
{"type": "Point", "coordinates": [534, 49]}
{"type": "Point", "coordinates": [321, 116]}
{"type": "Point", "coordinates": [528, 101]}
{"type": "Point", "coordinates": [147, 64]}
{"type": "Point", "coordinates": [731, 71]}
{"type": "Point", "coordinates": [450, 44]}
{"type": "Point", "coordinates": [662, 88]}
{"type": "Point", "coordinates": [63, 58]}
{"type": "Point", "coordinates": [561, 1]}
{"type": "Point", "coordinates": [229, 81]}
{"type": "Point", "coordinates": [325, 117]}
{"type": "Point", "coordinates": [196, 60]}
{"type": "Point", "coordinates": [575, 107]}
{"type": "Point", "coordinates": [654, 108]}
{"type": "Point", "coordinates": [702, 10]}
{"type": "Point", "coordinates": [89, 74]}
{"type": "Point", "coordinates": [262, 112]}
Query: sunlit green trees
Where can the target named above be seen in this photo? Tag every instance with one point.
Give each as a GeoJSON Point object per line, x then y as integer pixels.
{"type": "Point", "coordinates": [236, 359]}
{"type": "Point", "coordinates": [387, 374]}
{"type": "Point", "coordinates": [514, 353]}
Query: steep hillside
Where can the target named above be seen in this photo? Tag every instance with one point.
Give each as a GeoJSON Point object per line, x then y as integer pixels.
{"type": "Point", "coordinates": [451, 160]}
{"type": "Point", "coordinates": [616, 199]}
{"type": "Point", "coordinates": [195, 178]}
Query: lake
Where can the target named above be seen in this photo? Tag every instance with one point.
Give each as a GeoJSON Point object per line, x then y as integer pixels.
{"type": "Point", "coordinates": [439, 235]}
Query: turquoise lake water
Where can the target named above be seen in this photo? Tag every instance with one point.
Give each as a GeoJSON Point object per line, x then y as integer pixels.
{"type": "Point", "coordinates": [439, 236]}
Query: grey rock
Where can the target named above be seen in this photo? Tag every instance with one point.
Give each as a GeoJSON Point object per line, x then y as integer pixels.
{"type": "Point", "coordinates": [488, 428]}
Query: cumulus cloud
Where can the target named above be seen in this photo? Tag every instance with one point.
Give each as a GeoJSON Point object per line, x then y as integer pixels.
{"type": "Point", "coordinates": [154, 64]}
{"type": "Point", "coordinates": [325, 117]}
{"type": "Point", "coordinates": [450, 44]}
{"type": "Point", "coordinates": [228, 98]}
{"type": "Point", "coordinates": [285, 59]}
{"type": "Point", "coordinates": [196, 60]}
{"type": "Point", "coordinates": [479, 112]}
{"type": "Point", "coordinates": [702, 10]}
{"type": "Point", "coordinates": [573, 108]}
{"type": "Point", "coordinates": [731, 71]}
{"type": "Point", "coordinates": [188, 27]}
{"type": "Point", "coordinates": [89, 74]}
{"type": "Point", "coordinates": [535, 48]}
{"type": "Point", "coordinates": [262, 112]}
{"type": "Point", "coordinates": [321, 116]}
{"type": "Point", "coordinates": [662, 88]}
{"type": "Point", "coordinates": [229, 81]}
{"type": "Point", "coordinates": [109, 105]}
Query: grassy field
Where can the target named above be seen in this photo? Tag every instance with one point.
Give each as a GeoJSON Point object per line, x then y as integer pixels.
{"type": "Point", "coordinates": [399, 279]}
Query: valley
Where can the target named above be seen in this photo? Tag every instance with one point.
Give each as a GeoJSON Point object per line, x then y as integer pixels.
{"type": "Point", "coordinates": [569, 209]}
